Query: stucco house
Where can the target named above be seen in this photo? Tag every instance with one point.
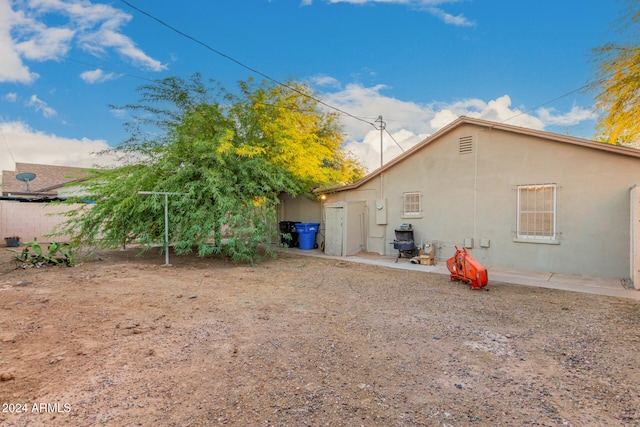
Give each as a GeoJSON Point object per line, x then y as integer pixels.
{"type": "Point", "coordinates": [514, 197]}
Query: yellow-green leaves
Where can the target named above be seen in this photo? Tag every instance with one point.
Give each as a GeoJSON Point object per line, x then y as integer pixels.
{"type": "Point", "coordinates": [293, 133]}
{"type": "Point", "coordinates": [618, 85]}
{"type": "Point", "coordinates": [225, 158]}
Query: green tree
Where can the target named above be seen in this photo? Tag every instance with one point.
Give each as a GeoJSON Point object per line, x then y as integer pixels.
{"type": "Point", "coordinates": [228, 156]}
{"type": "Point", "coordinates": [618, 83]}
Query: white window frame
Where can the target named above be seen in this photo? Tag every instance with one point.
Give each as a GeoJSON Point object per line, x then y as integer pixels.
{"type": "Point", "coordinates": [409, 204]}
{"type": "Point", "coordinates": [534, 209]}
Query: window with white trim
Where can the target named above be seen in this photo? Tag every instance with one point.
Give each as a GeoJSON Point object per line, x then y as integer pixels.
{"type": "Point", "coordinates": [412, 204]}
{"type": "Point", "coordinates": [536, 212]}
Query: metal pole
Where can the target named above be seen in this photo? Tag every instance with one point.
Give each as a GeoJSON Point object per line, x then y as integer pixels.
{"type": "Point", "coordinates": [382, 127]}
{"type": "Point", "coordinates": [166, 229]}
{"type": "Point", "coordinates": [166, 219]}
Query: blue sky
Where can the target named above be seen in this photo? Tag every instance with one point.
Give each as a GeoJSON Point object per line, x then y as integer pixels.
{"type": "Point", "coordinates": [418, 63]}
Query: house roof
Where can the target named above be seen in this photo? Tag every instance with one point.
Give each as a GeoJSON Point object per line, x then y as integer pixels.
{"type": "Point", "coordinates": [461, 121]}
{"type": "Point", "coordinates": [47, 182]}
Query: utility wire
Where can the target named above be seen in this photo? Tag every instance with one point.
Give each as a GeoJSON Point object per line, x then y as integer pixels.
{"type": "Point", "coordinates": [365, 120]}
{"type": "Point", "coordinates": [147, 79]}
{"type": "Point", "coordinates": [548, 102]}
{"type": "Point", "coordinates": [230, 58]}
{"type": "Point", "coordinates": [292, 88]}
{"type": "Point", "coordinates": [253, 70]}
{"type": "Point", "coordinates": [6, 142]}
{"type": "Point", "coordinates": [394, 140]}
{"type": "Point", "coordinates": [581, 88]}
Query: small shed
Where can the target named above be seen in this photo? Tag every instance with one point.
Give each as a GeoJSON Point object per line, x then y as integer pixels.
{"type": "Point", "coordinates": [346, 232]}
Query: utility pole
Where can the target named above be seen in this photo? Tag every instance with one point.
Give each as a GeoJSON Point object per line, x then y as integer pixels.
{"type": "Point", "coordinates": [382, 127]}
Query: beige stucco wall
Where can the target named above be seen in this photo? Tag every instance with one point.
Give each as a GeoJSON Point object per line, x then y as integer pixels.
{"type": "Point", "coordinates": [302, 209]}
{"type": "Point", "coordinates": [30, 220]}
{"type": "Point", "coordinates": [634, 267]}
{"type": "Point", "coordinates": [299, 209]}
{"type": "Point", "coordinates": [474, 196]}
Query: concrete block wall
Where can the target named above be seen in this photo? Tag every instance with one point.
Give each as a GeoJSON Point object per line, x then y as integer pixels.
{"type": "Point", "coordinates": [31, 220]}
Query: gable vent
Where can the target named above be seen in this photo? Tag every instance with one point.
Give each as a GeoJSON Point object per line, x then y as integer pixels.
{"type": "Point", "coordinates": [465, 145]}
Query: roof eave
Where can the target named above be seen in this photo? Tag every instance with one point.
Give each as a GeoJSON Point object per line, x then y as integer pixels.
{"type": "Point", "coordinates": [616, 149]}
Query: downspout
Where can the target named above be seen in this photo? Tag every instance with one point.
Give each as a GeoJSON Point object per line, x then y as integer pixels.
{"type": "Point", "coordinates": [475, 186]}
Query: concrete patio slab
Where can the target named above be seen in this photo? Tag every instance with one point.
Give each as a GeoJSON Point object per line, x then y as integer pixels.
{"type": "Point", "coordinates": [575, 283]}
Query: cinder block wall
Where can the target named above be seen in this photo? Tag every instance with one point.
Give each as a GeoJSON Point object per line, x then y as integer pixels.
{"type": "Point", "coordinates": [31, 220]}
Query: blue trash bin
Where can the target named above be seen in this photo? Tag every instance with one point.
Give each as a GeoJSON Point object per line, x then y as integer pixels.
{"type": "Point", "coordinates": [307, 234]}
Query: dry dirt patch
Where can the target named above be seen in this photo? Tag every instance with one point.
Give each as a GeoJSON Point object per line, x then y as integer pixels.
{"type": "Point", "coordinates": [305, 341]}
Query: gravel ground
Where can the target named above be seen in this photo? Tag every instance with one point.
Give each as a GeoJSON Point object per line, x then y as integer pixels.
{"type": "Point", "coordinates": [296, 341]}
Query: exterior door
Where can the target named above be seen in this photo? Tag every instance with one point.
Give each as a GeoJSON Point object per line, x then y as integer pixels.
{"type": "Point", "coordinates": [334, 234]}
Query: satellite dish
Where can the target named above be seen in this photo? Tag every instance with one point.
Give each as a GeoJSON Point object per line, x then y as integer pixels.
{"type": "Point", "coordinates": [26, 177]}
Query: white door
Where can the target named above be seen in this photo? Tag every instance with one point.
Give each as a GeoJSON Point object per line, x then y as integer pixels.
{"type": "Point", "coordinates": [334, 233]}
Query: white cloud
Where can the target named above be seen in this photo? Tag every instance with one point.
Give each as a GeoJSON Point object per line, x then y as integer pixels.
{"type": "Point", "coordinates": [95, 28]}
{"type": "Point", "coordinates": [367, 150]}
{"type": "Point", "coordinates": [425, 5]}
{"type": "Point", "coordinates": [96, 76]}
{"type": "Point", "coordinates": [20, 143]}
{"type": "Point", "coordinates": [11, 67]}
{"type": "Point", "coordinates": [497, 110]}
{"type": "Point", "coordinates": [120, 113]}
{"type": "Point", "coordinates": [324, 81]}
{"type": "Point", "coordinates": [11, 97]}
{"type": "Point", "coordinates": [575, 116]}
{"type": "Point", "coordinates": [369, 102]}
{"type": "Point", "coordinates": [44, 44]}
{"type": "Point", "coordinates": [408, 123]}
{"type": "Point", "coordinates": [442, 118]}
{"type": "Point", "coordinates": [41, 106]}
{"type": "Point", "coordinates": [107, 38]}
{"type": "Point", "coordinates": [447, 18]}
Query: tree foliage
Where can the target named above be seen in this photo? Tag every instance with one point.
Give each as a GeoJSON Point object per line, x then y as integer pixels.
{"type": "Point", "coordinates": [618, 83]}
{"type": "Point", "coordinates": [228, 158]}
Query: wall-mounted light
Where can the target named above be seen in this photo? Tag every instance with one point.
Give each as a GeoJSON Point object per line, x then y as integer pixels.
{"type": "Point", "coordinates": [323, 197]}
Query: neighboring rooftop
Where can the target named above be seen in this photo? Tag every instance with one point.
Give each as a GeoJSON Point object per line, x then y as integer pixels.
{"type": "Point", "coordinates": [49, 179]}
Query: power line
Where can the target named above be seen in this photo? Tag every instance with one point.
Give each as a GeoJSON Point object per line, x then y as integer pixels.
{"type": "Point", "coordinates": [253, 70]}
{"type": "Point", "coordinates": [581, 88]}
{"type": "Point", "coordinates": [6, 141]}
{"type": "Point", "coordinates": [151, 80]}
{"type": "Point", "coordinates": [256, 71]}
{"type": "Point", "coordinates": [548, 102]}
{"type": "Point", "coordinates": [311, 97]}
{"type": "Point", "coordinates": [394, 140]}
{"type": "Point", "coordinates": [340, 111]}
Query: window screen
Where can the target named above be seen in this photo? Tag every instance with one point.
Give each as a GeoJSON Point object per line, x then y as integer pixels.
{"type": "Point", "coordinates": [537, 212]}
{"type": "Point", "coordinates": [411, 204]}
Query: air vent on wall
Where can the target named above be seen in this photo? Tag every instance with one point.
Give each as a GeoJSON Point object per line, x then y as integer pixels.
{"type": "Point", "coordinates": [465, 145]}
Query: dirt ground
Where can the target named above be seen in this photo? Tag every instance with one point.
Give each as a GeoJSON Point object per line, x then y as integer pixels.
{"type": "Point", "coordinates": [301, 341]}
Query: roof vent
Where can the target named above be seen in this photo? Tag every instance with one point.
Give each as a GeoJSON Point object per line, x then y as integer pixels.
{"type": "Point", "coordinates": [465, 145]}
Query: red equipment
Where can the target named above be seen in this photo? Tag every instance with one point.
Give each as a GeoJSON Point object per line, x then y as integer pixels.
{"type": "Point", "coordinates": [464, 267]}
